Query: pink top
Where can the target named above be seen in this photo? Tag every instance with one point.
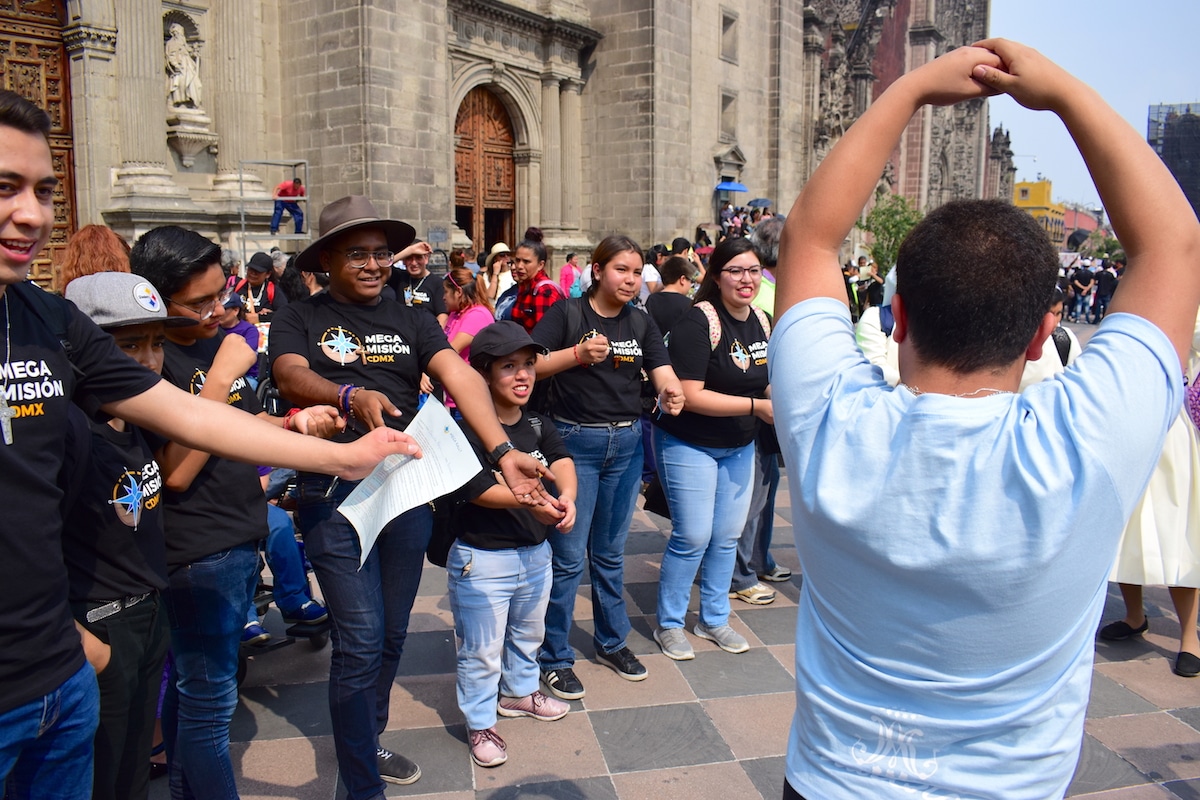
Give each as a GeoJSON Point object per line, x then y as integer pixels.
{"type": "Point", "coordinates": [566, 278]}
{"type": "Point", "coordinates": [471, 320]}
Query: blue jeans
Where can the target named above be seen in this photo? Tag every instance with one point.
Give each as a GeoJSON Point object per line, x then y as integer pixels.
{"type": "Point", "coordinates": [293, 209]}
{"type": "Point", "coordinates": [369, 609]}
{"type": "Point", "coordinates": [608, 463]}
{"type": "Point", "coordinates": [708, 489]}
{"type": "Point", "coordinates": [290, 588]}
{"type": "Point", "coordinates": [46, 744]}
{"type": "Point", "coordinates": [206, 604]}
{"type": "Point", "coordinates": [754, 545]}
{"type": "Point", "coordinates": [499, 602]}
{"type": "Point", "coordinates": [1083, 306]}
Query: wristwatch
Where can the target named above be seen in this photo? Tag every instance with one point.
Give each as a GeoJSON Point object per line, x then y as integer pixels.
{"type": "Point", "coordinates": [498, 453]}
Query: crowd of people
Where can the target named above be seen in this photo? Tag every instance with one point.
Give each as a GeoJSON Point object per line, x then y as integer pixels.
{"type": "Point", "coordinates": [134, 441]}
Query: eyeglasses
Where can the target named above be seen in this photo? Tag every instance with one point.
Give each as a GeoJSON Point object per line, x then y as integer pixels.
{"type": "Point", "coordinates": [208, 307]}
{"type": "Point", "coordinates": [737, 272]}
{"type": "Point", "coordinates": [357, 259]}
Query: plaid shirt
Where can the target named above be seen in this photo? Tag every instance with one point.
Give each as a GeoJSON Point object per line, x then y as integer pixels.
{"type": "Point", "coordinates": [533, 298]}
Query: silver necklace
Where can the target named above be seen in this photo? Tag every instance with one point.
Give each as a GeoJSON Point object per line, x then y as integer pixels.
{"type": "Point", "coordinates": [917, 391]}
{"type": "Point", "coordinates": [7, 412]}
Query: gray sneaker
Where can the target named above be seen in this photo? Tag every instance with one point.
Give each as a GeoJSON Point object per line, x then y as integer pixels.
{"type": "Point", "coordinates": [726, 638]}
{"type": "Point", "coordinates": [674, 644]}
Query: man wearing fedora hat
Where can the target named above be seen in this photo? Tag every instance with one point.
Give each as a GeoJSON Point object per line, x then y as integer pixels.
{"type": "Point", "coordinates": [365, 353]}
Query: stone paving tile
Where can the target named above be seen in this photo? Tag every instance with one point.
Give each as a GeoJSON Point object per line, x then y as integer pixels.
{"type": "Point", "coordinates": [1160, 746]}
{"type": "Point", "coordinates": [773, 624]}
{"type": "Point", "coordinates": [1185, 790]}
{"type": "Point", "coordinates": [302, 769]}
{"type": "Point", "coordinates": [423, 701]}
{"type": "Point", "coordinates": [1153, 679]}
{"type": "Point", "coordinates": [753, 727]}
{"type": "Point", "coordinates": [585, 789]}
{"type": "Point", "coordinates": [540, 752]}
{"type": "Point", "coordinates": [442, 755]}
{"type": "Point", "coordinates": [1110, 699]}
{"type": "Point", "coordinates": [767, 774]}
{"type": "Point", "coordinates": [1189, 716]}
{"type": "Point", "coordinates": [664, 684]}
{"type": "Point", "coordinates": [708, 780]}
{"type": "Point", "coordinates": [658, 737]}
{"type": "Point", "coordinates": [1148, 791]}
{"type": "Point", "coordinates": [281, 712]}
{"type": "Point", "coordinates": [429, 653]}
{"type": "Point", "coordinates": [719, 674]}
{"type": "Point", "coordinates": [785, 654]}
{"type": "Point", "coordinates": [1100, 769]}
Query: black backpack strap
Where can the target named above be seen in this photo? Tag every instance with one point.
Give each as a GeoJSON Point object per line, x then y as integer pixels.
{"type": "Point", "coordinates": [52, 311]}
{"type": "Point", "coordinates": [1062, 343]}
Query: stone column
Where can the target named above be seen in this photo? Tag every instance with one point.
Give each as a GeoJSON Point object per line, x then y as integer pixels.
{"type": "Point", "coordinates": [237, 94]}
{"type": "Point", "coordinates": [551, 211]}
{"type": "Point", "coordinates": [528, 183]}
{"type": "Point", "coordinates": [572, 153]}
{"type": "Point", "coordinates": [91, 46]}
{"type": "Point", "coordinates": [142, 101]}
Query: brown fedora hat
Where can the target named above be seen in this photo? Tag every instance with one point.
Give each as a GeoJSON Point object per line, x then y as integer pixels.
{"type": "Point", "coordinates": [347, 214]}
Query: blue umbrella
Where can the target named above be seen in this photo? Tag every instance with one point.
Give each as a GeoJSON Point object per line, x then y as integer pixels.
{"type": "Point", "coordinates": [760, 202]}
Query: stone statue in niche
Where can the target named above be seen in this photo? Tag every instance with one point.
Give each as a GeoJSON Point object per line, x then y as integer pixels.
{"type": "Point", "coordinates": [183, 70]}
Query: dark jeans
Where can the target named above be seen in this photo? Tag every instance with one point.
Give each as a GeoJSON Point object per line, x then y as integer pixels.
{"type": "Point", "coordinates": [206, 603]}
{"type": "Point", "coordinates": [789, 793]}
{"type": "Point", "coordinates": [754, 546]}
{"type": "Point", "coordinates": [292, 208]}
{"type": "Point", "coordinates": [129, 686]}
{"type": "Point", "coordinates": [369, 609]}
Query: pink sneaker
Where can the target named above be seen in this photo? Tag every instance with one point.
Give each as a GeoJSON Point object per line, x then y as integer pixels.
{"type": "Point", "coordinates": [487, 748]}
{"type": "Point", "coordinates": [536, 705]}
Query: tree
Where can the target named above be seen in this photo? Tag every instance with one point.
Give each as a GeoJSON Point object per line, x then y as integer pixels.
{"type": "Point", "coordinates": [888, 222]}
{"type": "Point", "coordinates": [1101, 244]}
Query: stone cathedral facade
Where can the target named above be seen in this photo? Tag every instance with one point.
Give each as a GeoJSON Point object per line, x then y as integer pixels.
{"type": "Point", "coordinates": [473, 119]}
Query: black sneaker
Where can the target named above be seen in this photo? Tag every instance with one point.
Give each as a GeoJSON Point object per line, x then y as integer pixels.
{"type": "Point", "coordinates": [395, 768]}
{"type": "Point", "coordinates": [563, 683]}
{"type": "Point", "coordinates": [624, 663]}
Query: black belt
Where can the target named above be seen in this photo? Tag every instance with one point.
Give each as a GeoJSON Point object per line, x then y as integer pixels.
{"type": "Point", "coordinates": [116, 606]}
{"type": "Point", "coordinates": [624, 423]}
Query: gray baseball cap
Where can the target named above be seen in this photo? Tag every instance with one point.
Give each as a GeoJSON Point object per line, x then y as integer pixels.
{"type": "Point", "coordinates": [117, 299]}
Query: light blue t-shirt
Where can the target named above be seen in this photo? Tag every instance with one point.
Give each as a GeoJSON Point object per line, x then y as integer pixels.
{"type": "Point", "coordinates": [955, 554]}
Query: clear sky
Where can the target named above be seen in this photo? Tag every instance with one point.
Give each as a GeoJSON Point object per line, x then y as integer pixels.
{"type": "Point", "coordinates": [1135, 53]}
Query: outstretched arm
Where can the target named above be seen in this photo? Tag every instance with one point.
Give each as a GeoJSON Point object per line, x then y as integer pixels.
{"type": "Point", "coordinates": [834, 197]}
{"type": "Point", "coordinates": [1150, 215]}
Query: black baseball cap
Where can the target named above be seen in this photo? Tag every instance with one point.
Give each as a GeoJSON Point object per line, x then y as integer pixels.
{"type": "Point", "coordinates": [501, 339]}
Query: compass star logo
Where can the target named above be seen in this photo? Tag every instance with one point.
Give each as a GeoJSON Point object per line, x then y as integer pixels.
{"type": "Point", "coordinates": [127, 498]}
{"type": "Point", "coordinates": [740, 356]}
{"type": "Point", "coordinates": [197, 382]}
{"type": "Point", "coordinates": [340, 345]}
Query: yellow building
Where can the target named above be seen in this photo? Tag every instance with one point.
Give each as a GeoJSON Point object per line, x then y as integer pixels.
{"type": "Point", "coordinates": [1035, 197]}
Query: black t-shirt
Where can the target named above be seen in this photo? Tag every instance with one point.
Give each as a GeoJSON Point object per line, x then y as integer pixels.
{"type": "Point", "coordinates": [224, 506]}
{"type": "Point", "coordinates": [113, 535]}
{"type": "Point", "coordinates": [502, 528]}
{"type": "Point", "coordinates": [667, 308]}
{"type": "Point", "coordinates": [39, 648]}
{"type": "Point", "coordinates": [1084, 277]}
{"type": "Point", "coordinates": [423, 293]}
{"type": "Point", "coordinates": [384, 347]}
{"type": "Point", "coordinates": [1106, 283]}
{"type": "Point", "coordinates": [609, 391]}
{"type": "Point", "coordinates": [737, 366]}
{"type": "Point", "coordinates": [875, 292]}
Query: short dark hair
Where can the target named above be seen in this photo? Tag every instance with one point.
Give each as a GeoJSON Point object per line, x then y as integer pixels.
{"type": "Point", "coordinates": [674, 268]}
{"type": "Point", "coordinates": [722, 254]}
{"type": "Point", "coordinates": [985, 320]}
{"type": "Point", "coordinates": [17, 112]}
{"type": "Point", "coordinates": [170, 256]}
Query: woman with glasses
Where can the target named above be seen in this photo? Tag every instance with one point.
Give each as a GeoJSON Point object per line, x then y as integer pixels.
{"type": "Point", "coordinates": [706, 454]}
{"type": "Point", "coordinates": [365, 354]}
{"type": "Point", "coordinates": [214, 512]}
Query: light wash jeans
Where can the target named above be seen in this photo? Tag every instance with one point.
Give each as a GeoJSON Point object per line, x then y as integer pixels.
{"type": "Point", "coordinates": [708, 489]}
{"type": "Point", "coordinates": [499, 602]}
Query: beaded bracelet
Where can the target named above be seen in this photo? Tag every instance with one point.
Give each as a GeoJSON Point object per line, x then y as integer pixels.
{"type": "Point", "coordinates": [344, 398]}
